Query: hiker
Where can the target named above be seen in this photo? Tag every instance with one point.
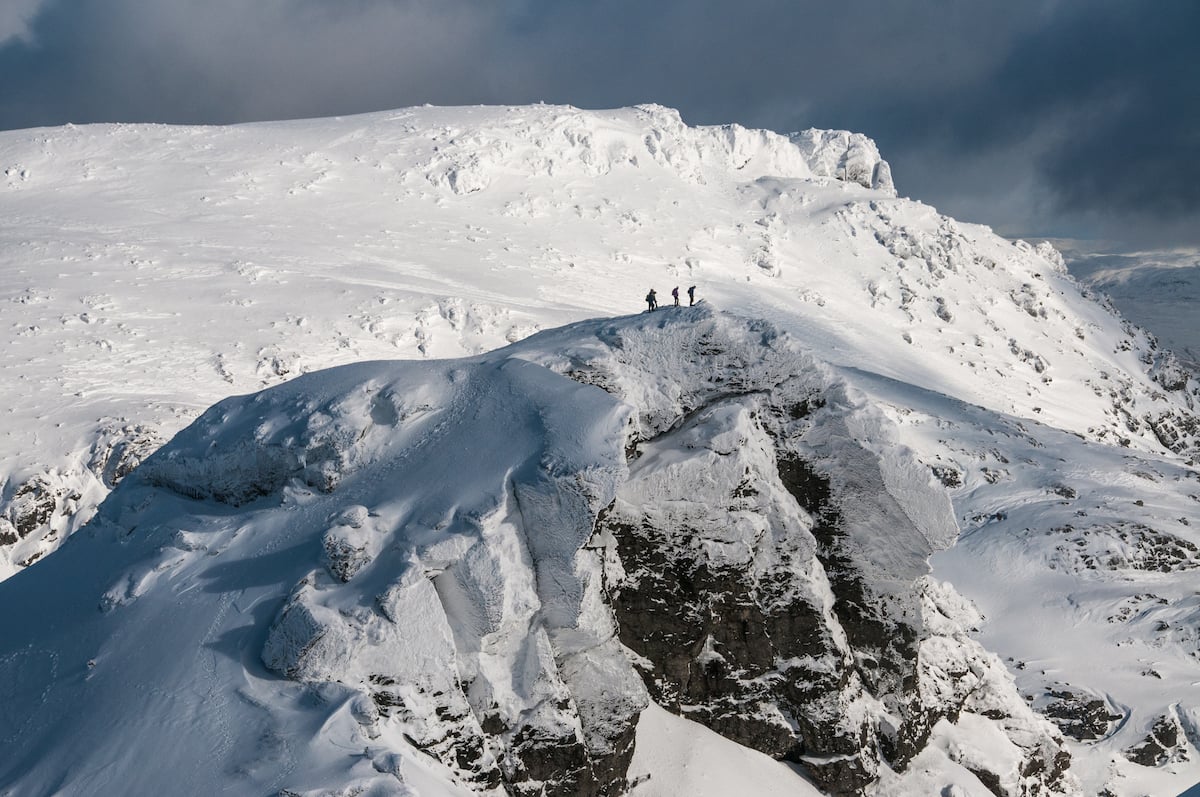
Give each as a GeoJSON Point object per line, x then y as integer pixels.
{"type": "Point", "coordinates": [652, 300]}
{"type": "Point", "coordinates": [675, 295]}
{"type": "Point", "coordinates": [691, 296]}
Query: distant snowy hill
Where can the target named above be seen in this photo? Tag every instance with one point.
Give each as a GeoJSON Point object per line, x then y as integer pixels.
{"type": "Point", "coordinates": [899, 503]}
{"type": "Point", "coordinates": [1157, 290]}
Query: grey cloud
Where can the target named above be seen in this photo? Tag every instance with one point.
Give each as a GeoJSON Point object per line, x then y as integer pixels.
{"type": "Point", "coordinates": [14, 18]}
{"type": "Point", "coordinates": [1102, 99]}
{"type": "Point", "coordinates": [718, 61]}
{"type": "Point", "coordinates": [224, 61]}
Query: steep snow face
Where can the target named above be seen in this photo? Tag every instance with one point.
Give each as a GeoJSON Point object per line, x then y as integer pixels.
{"type": "Point", "coordinates": [479, 572]}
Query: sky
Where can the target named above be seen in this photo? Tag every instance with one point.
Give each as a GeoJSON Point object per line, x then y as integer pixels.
{"type": "Point", "coordinates": [1059, 118]}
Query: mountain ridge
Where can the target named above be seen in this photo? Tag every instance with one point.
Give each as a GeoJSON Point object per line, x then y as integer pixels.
{"type": "Point", "coordinates": [1061, 435]}
{"type": "Point", "coordinates": [462, 610]}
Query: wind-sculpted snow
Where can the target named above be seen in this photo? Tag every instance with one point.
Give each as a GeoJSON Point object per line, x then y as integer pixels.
{"type": "Point", "coordinates": [571, 144]}
{"type": "Point", "coordinates": [480, 572]}
{"type": "Point", "coordinates": [417, 527]}
{"type": "Point", "coordinates": [847, 156]}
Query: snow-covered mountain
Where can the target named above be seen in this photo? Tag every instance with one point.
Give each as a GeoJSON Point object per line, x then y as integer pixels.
{"type": "Point", "coordinates": [898, 503]}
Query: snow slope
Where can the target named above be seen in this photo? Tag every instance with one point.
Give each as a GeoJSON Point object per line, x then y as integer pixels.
{"type": "Point", "coordinates": [178, 639]}
{"type": "Point", "coordinates": [151, 271]}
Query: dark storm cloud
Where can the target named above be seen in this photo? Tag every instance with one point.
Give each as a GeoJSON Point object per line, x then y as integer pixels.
{"type": "Point", "coordinates": [1020, 113]}
{"type": "Point", "coordinates": [1103, 98]}
{"type": "Point", "coordinates": [1134, 96]}
{"type": "Point", "coordinates": [226, 60]}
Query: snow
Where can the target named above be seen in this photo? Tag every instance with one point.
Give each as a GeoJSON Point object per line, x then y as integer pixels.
{"type": "Point", "coordinates": [446, 559]}
{"type": "Point", "coordinates": [152, 271]}
{"type": "Point", "coordinates": [677, 756]}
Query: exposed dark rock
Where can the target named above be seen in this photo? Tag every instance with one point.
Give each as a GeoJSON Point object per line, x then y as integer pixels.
{"type": "Point", "coordinates": [346, 551]}
{"type": "Point", "coordinates": [805, 407]}
{"type": "Point", "coordinates": [1053, 773]}
{"type": "Point", "coordinates": [1162, 745]}
{"type": "Point", "coordinates": [1065, 491]}
{"type": "Point", "coordinates": [1176, 431]}
{"type": "Point", "coordinates": [990, 780]}
{"type": "Point", "coordinates": [948, 476]}
{"type": "Point", "coordinates": [1166, 369]}
{"type": "Point", "coordinates": [535, 763]}
{"type": "Point", "coordinates": [1125, 546]}
{"type": "Point", "coordinates": [543, 766]}
{"type": "Point", "coordinates": [450, 735]}
{"type": "Point", "coordinates": [38, 500]}
{"type": "Point", "coordinates": [120, 449]}
{"type": "Point", "coordinates": [1078, 715]}
{"type": "Point", "coordinates": [746, 653]}
{"type": "Point", "coordinates": [715, 649]}
{"type": "Point", "coordinates": [8, 532]}
{"type": "Point", "coordinates": [42, 507]}
{"type": "Point", "coordinates": [885, 652]}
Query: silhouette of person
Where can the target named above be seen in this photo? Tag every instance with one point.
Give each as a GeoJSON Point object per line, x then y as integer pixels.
{"type": "Point", "coordinates": [691, 296]}
{"type": "Point", "coordinates": [675, 295]}
{"type": "Point", "coordinates": [652, 300]}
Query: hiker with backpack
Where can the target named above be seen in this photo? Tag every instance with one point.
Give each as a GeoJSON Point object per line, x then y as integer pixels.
{"type": "Point", "coordinates": [652, 300]}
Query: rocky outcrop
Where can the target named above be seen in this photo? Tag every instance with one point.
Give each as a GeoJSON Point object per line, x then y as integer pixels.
{"type": "Point", "coordinates": [1164, 743]}
{"type": "Point", "coordinates": [1081, 716]}
{"type": "Point", "coordinates": [771, 564]}
{"type": "Point", "coordinates": [119, 448]}
{"type": "Point", "coordinates": [38, 512]}
{"type": "Point", "coordinates": [724, 597]}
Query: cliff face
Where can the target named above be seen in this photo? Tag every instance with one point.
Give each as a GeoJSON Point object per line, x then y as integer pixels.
{"type": "Point", "coordinates": [768, 563]}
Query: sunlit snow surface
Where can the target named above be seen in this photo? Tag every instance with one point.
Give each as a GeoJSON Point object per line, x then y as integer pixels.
{"type": "Point", "coordinates": [151, 271]}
